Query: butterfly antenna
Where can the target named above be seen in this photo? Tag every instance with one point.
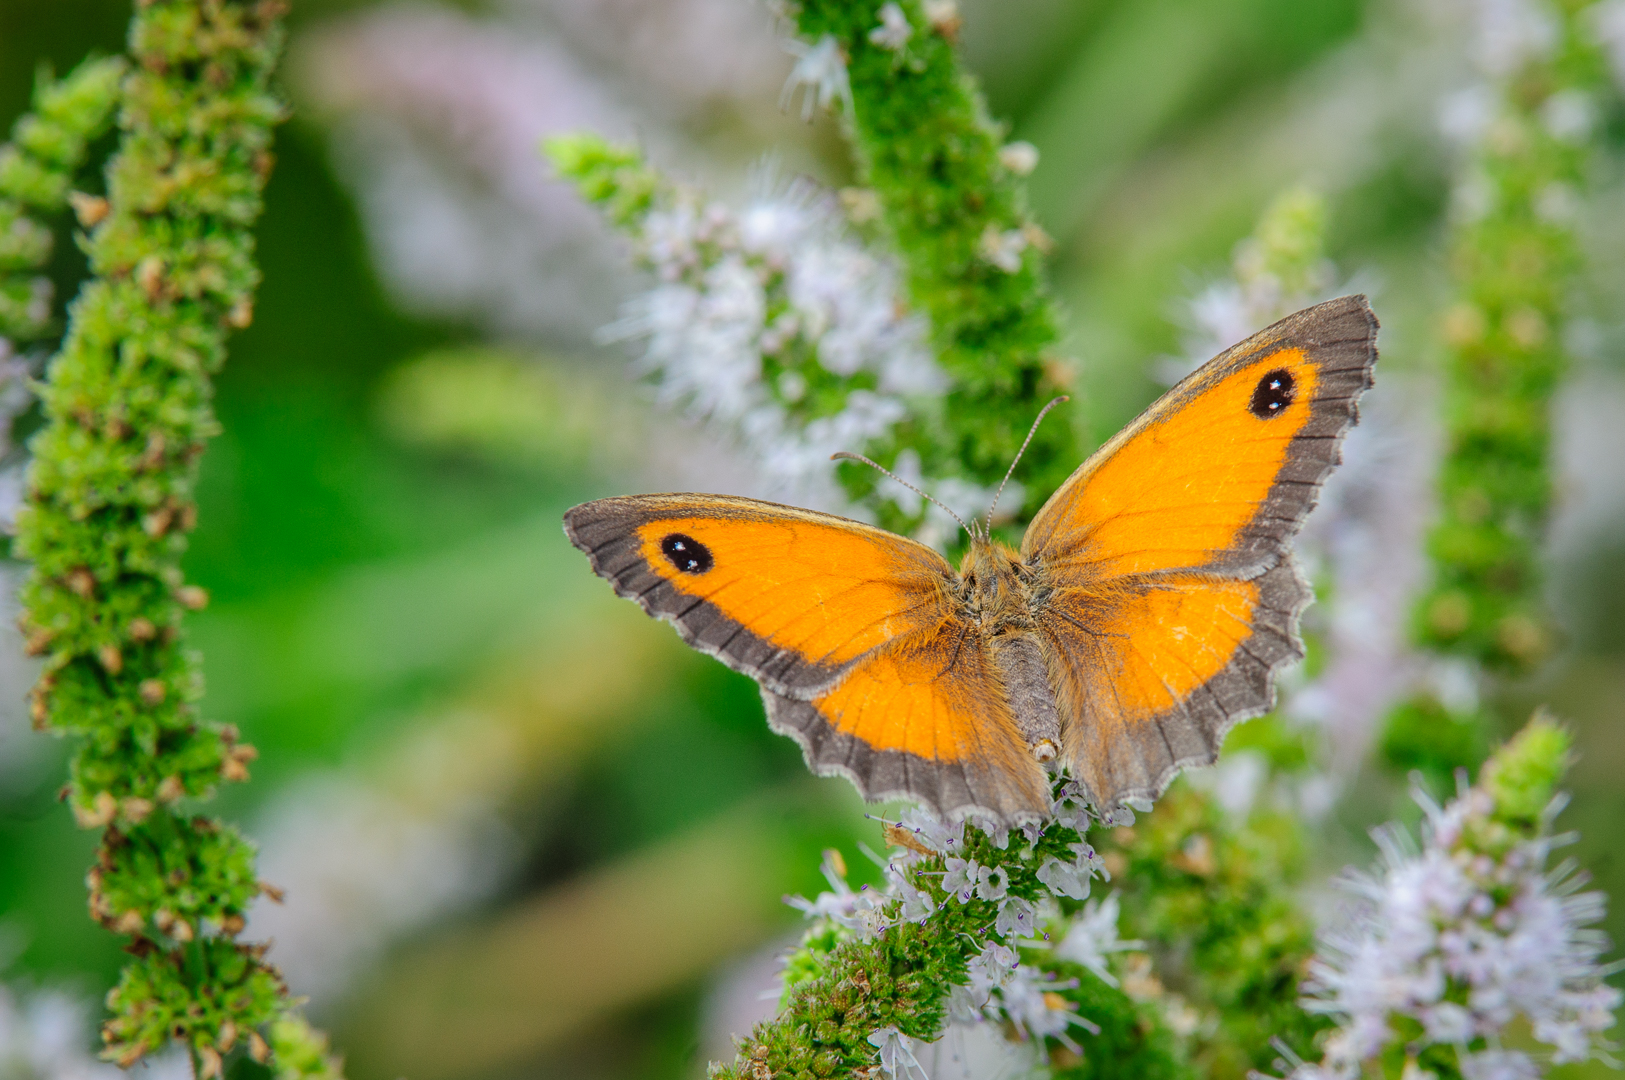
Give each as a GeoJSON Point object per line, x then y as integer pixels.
{"type": "Point", "coordinates": [1011, 471]}
{"type": "Point", "coordinates": [849, 456]}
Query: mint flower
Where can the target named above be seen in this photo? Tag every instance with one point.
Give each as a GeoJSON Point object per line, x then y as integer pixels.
{"type": "Point", "coordinates": [961, 877]}
{"type": "Point", "coordinates": [1003, 248]}
{"type": "Point", "coordinates": [1092, 938]}
{"type": "Point", "coordinates": [769, 321]}
{"type": "Point", "coordinates": [1066, 879]}
{"type": "Point", "coordinates": [894, 29]}
{"type": "Point", "coordinates": [1017, 918]}
{"type": "Point", "coordinates": [998, 834]}
{"type": "Point", "coordinates": [821, 69]}
{"type": "Point", "coordinates": [860, 911]}
{"type": "Point", "coordinates": [992, 882]}
{"type": "Point", "coordinates": [1019, 157]}
{"type": "Point", "coordinates": [1032, 1003]}
{"type": "Point", "coordinates": [1118, 817]}
{"type": "Point", "coordinates": [934, 832]}
{"type": "Point", "coordinates": [1003, 990]}
{"type": "Point", "coordinates": [1498, 1065]}
{"type": "Point", "coordinates": [988, 970]}
{"type": "Point", "coordinates": [917, 905]}
{"type": "Point", "coordinates": [897, 1058]}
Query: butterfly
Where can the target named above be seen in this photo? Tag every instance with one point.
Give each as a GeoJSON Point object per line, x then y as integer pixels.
{"type": "Point", "coordinates": [1151, 603]}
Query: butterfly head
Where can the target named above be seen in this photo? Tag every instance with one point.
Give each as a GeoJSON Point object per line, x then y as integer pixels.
{"type": "Point", "coordinates": [991, 575]}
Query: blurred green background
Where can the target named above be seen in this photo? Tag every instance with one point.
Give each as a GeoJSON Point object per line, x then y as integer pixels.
{"type": "Point", "coordinates": [523, 831]}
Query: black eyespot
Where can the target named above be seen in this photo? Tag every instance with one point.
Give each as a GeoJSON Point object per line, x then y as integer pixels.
{"type": "Point", "coordinates": [1273, 394]}
{"type": "Point", "coordinates": [687, 554]}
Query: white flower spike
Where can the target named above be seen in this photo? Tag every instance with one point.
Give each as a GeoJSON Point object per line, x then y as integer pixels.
{"type": "Point", "coordinates": [1464, 938]}
{"type": "Point", "coordinates": [757, 306]}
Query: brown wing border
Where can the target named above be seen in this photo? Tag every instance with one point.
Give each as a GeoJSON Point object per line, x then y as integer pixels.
{"type": "Point", "coordinates": [952, 791]}
{"type": "Point", "coordinates": [600, 529]}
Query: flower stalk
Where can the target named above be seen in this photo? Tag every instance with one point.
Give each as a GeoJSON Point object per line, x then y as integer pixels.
{"type": "Point", "coordinates": [110, 502]}
{"type": "Point", "coordinates": [1514, 255]}
{"type": "Point", "coordinates": [954, 209]}
{"type": "Point", "coordinates": [1530, 126]}
{"type": "Point", "coordinates": [37, 167]}
{"type": "Point", "coordinates": [1459, 939]}
{"type": "Point", "coordinates": [770, 321]}
{"type": "Point", "coordinates": [939, 942]}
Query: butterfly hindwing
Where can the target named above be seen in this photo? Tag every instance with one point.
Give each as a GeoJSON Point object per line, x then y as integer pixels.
{"type": "Point", "coordinates": [853, 633]}
{"type": "Point", "coordinates": [1151, 674]}
{"type": "Point", "coordinates": [1172, 597]}
{"type": "Point", "coordinates": [924, 718]}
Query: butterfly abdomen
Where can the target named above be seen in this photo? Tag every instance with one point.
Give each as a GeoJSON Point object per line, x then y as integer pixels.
{"type": "Point", "coordinates": [1027, 689]}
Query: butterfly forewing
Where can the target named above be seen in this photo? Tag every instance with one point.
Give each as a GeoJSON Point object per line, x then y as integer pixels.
{"type": "Point", "coordinates": [790, 597]}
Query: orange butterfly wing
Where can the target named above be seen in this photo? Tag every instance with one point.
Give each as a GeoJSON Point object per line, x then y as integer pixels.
{"type": "Point", "coordinates": [1172, 597]}
{"type": "Point", "coordinates": [860, 649]}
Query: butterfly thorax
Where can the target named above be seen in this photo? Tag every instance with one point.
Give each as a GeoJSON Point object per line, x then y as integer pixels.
{"type": "Point", "coordinates": [995, 588]}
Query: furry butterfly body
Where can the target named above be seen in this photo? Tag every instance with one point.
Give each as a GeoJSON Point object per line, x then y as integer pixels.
{"type": "Point", "coordinates": [1146, 611]}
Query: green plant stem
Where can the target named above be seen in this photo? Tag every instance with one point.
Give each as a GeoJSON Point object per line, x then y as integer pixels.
{"type": "Point", "coordinates": [1514, 255]}
{"type": "Point", "coordinates": [109, 504]}
{"type": "Point", "coordinates": [922, 140]}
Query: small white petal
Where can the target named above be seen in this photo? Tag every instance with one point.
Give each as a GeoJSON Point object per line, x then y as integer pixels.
{"type": "Point", "coordinates": [894, 29]}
